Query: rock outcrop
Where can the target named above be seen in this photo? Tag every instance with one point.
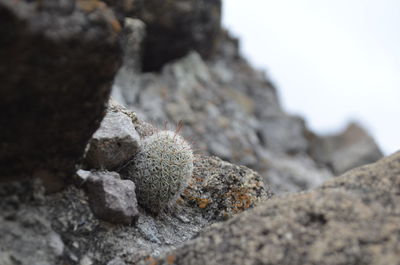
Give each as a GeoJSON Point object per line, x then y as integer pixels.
{"type": "Point", "coordinates": [58, 60]}
{"type": "Point", "coordinates": [229, 110]}
{"type": "Point", "coordinates": [352, 219]}
{"type": "Point", "coordinates": [179, 67]}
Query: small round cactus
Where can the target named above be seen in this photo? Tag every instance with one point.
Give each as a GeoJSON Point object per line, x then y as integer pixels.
{"type": "Point", "coordinates": [161, 169]}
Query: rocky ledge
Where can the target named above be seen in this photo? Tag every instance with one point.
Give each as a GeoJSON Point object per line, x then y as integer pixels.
{"type": "Point", "coordinates": [352, 219]}
{"type": "Point", "coordinates": [67, 196]}
{"type": "Point", "coordinates": [97, 219]}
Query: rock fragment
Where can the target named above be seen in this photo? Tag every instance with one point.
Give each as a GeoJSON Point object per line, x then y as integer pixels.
{"type": "Point", "coordinates": [111, 198]}
{"type": "Point", "coordinates": [114, 143]}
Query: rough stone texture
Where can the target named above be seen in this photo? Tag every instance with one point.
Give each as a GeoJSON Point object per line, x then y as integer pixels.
{"type": "Point", "coordinates": [114, 143]}
{"type": "Point", "coordinates": [351, 148]}
{"type": "Point", "coordinates": [26, 234]}
{"type": "Point", "coordinates": [218, 191]}
{"type": "Point", "coordinates": [175, 27]}
{"type": "Point", "coordinates": [352, 219]}
{"type": "Point", "coordinates": [293, 173]}
{"type": "Point", "coordinates": [283, 133]}
{"type": "Point", "coordinates": [229, 110]}
{"type": "Point", "coordinates": [112, 199]}
{"type": "Point", "coordinates": [58, 60]}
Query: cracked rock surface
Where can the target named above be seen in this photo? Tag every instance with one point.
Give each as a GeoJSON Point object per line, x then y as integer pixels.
{"type": "Point", "coordinates": [352, 219]}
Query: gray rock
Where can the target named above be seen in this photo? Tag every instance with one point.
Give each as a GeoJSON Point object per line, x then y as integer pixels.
{"type": "Point", "coordinates": [189, 25]}
{"type": "Point", "coordinates": [116, 261]}
{"type": "Point", "coordinates": [114, 143]}
{"type": "Point", "coordinates": [283, 133]}
{"type": "Point", "coordinates": [219, 190]}
{"type": "Point", "coordinates": [27, 238]}
{"type": "Point", "coordinates": [231, 111]}
{"type": "Point", "coordinates": [133, 34]}
{"type": "Point", "coordinates": [292, 173]}
{"type": "Point", "coordinates": [6, 258]}
{"type": "Point", "coordinates": [132, 37]}
{"type": "Point", "coordinates": [64, 57]}
{"type": "Point", "coordinates": [352, 219]}
{"type": "Point", "coordinates": [82, 175]}
{"type": "Point", "coordinates": [111, 198]}
{"type": "Point", "coordinates": [352, 148]}
{"type": "Point", "coordinates": [86, 260]}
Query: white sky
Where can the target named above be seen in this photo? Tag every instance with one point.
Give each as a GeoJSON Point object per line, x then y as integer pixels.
{"type": "Point", "coordinates": [333, 61]}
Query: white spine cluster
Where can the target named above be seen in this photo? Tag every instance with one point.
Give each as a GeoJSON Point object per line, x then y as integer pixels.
{"type": "Point", "coordinates": [161, 169]}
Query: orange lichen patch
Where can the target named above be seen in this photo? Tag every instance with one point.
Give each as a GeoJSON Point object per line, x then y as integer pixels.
{"type": "Point", "coordinates": [151, 261]}
{"type": "Point", "coordinates": [198, 179]}
{"type": "Point", "coordinates": [202, 203]}
{"type": "Point", "coordinates": [116, 26]}
{"type": "Point", "coordinates": [171, 259]}
{"type": "Point", "coordinates": [240, 199]}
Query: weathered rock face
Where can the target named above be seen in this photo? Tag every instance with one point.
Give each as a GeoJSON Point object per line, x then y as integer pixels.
{"type": "Point", "coordinates": [351, 148]}
{"type": "Point", "coordinates": [230, 111]}
{"type": "Point", "coordinates": [352, 219]}
{"type": "Point", "coordinates": [66, 53]}
{"type": "Point", "coordinates": [175, 27]}
{"type": "Point", "coordinates": [58, 59]}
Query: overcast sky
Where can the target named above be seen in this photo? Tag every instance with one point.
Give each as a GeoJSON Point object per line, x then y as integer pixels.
{"type": "Point", "coordinates": [332, 61]}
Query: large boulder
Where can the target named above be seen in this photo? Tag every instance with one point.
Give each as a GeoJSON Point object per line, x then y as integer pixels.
{"type": "Point", "coordinates": [352, 219]}
{"type": "Point", "coordinates": [58, 60]}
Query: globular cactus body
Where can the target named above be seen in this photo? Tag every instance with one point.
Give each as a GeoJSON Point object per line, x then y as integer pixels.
{"type": "Point", "coordinates": [161, 169]}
